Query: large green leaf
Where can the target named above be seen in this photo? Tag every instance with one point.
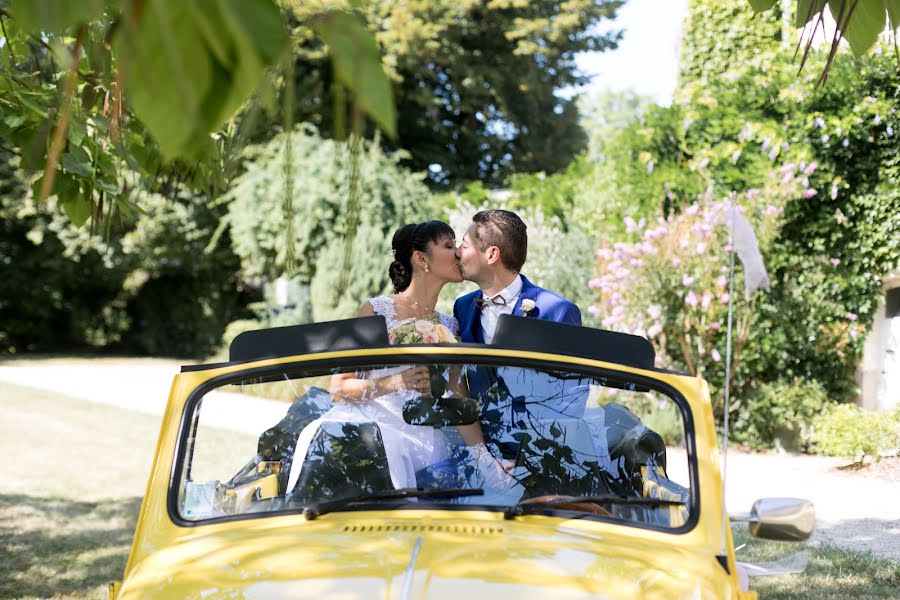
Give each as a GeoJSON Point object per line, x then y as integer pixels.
{"type": "Point", "coordinates": [56, 15]}
{"type": "Point", "coordinates": [893, 10]}
{"type": "Point", "coordinates": [806, 10]}
{"type": "Point", "coordinates": [761, 5]}
{"type": "Point", "coordinates": [167, 71]}
{"type": "Point", "coordinates": [866, 22]}
{"type": "Point", "coordinates": [190, 65]}
{"type": "Point", "coordinates": [357, 64]}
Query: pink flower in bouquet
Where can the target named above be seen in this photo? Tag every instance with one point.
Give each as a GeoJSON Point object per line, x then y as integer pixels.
{"type": "Point", "coordinates": [724, 298]}
{"type": "Point", "coordinates": [706, 300]}
{"type": "Point", "coordinates": [687, 280]}
{"type": "Point", "coordinates": [424, 327]}
{"type": "Point", "coordinates": [715, 325]}
{"type": "Point", "coordinates": [721, 281]}
{"type": "Point", "coordinates": [430, 338]}
{"type": "Point", "coordinates": [691, 299]}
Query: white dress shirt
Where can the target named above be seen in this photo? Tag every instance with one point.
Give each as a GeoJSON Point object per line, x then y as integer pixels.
{"type": "Point", "coordinates": [491, 312]}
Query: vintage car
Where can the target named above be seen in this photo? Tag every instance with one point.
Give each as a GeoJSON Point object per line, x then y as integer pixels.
{"type": "Point", "coordinates": [557, 462]}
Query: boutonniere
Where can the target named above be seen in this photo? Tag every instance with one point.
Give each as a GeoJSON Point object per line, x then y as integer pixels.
{"type": "Point", "coordinates": [528, 307]}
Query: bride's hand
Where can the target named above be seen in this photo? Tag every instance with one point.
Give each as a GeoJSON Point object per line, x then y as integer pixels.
{"type": "Point", "coordinates": [416, 378]}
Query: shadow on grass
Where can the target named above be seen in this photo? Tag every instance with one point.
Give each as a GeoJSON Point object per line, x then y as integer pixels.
{"type": "Point", "coordinates": [62, 547]}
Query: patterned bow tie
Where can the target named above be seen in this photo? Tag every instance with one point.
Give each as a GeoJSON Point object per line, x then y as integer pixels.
{"type": "Point", "coordinates": [495, 301]}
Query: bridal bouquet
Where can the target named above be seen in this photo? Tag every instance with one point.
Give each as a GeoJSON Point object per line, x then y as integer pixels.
{"type": "Point", "coordinates": [420, 331]}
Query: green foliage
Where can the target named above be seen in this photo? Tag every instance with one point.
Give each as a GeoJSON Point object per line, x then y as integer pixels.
{"type": "Point", "coordinates": [858, 21]}
{"type": "Point", "coordinates": [368, 276]}
{"type": "Point", "coordinates": [476, 82]}
{"type": "Point", "coordinates": [852, 432]}
{"type": "Point", "coordinates": [779, 412]}
{"type": "Point", "coordinates": [390, 196]}
{"type": "Point", "coordinates": [212, 59]}
{"type": "Point", "coordinates": [185, 70]}
{"type": "Point", "coordinates": [723, 35]}
{"type": "Point", "coordinates": [186, 282]}
{"type": "Point", "coordinates": [357, 65]}
{"type": "Point", "coordinates": [840, 234]}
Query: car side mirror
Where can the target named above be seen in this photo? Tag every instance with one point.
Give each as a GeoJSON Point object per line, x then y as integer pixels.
{"type": "Point", "coordinates": [441, 412]}
{"type": "Point", "coordinates": [780, 519]}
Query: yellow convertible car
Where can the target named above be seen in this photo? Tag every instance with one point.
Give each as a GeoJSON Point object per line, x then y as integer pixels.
{"type": "Point", "coordinates": [557, 462]}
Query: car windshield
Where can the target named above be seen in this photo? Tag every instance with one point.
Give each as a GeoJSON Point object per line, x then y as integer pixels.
{"type": "Point", "coordinates": [523, 438]}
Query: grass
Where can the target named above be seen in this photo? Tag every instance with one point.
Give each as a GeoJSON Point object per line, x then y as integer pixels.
{"type": "Point", "coordinates": [832, 573]}
{"type": "Point", "coordinates": [74, 473]}
{"type": "Point", "coordinates": [73, 477]}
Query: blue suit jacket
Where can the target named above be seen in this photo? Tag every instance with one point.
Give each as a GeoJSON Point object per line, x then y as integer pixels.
{"type": "Point", "coordinates": [548, 306]}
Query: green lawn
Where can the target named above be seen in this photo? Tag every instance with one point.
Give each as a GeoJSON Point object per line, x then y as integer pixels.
{"type": "Point", "coordinates": [832, 573]}
{"type": "Point", "coordinates": [74, 472]}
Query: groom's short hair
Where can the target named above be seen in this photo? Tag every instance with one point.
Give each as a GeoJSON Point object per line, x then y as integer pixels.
{"type": "Point", "coordinates": [504, 229]}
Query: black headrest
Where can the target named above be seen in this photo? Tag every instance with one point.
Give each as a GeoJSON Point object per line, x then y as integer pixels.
{"type": "Point", "coordinates": [524, 333]}
{"type": "Point", "coordinates": [346, 334]}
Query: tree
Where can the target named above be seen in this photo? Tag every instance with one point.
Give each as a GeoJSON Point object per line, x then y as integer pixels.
{"type": "Point", "coordinates": [98, 87]}
{"type": "Point", "coordinates": [477, 83]}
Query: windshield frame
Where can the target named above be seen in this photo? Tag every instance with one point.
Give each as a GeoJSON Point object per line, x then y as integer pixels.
{"type": "Point", "coordinates": [325, 363]}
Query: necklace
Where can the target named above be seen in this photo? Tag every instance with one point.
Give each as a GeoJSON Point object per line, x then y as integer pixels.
{"type": "Point", "coordinates": [420, 306]}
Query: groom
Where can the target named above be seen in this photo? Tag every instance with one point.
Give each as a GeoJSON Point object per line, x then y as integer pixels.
{"type": "Point", "coordinates": [491, 254]}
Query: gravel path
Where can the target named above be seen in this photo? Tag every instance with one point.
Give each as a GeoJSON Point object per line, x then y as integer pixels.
{"type": "Point", "coordinates": [857, 510]}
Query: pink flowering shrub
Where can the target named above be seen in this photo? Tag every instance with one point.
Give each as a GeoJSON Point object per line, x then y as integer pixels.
{"type": "Point", "coordinates": [669, 281]}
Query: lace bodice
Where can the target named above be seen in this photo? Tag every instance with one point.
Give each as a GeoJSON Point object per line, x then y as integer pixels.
{"type": "Point", "coordinates": [384, 306]}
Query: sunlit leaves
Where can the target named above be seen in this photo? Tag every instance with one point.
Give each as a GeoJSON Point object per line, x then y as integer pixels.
{"type": "Point", "coordinates": [357, 64]}
{"type": "Point", "coordinates": [863, 21]}
{"type": "Point", "coordinates": [55, 16]}
{"type": "Point", "coordinates": [189, 66]}
{"type": "Point", "coordinates": [858, 21]}
{"type": "Point", "coordinates": [761, 5]}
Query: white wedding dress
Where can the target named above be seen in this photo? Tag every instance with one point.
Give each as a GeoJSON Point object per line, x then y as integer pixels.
{"type": "Point", "coordinates": [409, 448]}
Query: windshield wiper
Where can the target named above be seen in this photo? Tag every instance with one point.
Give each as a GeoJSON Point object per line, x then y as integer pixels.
{"type": "Point", "coordinates": [319, 509]}
{"type": "Point", "coordinates": [533, 505]}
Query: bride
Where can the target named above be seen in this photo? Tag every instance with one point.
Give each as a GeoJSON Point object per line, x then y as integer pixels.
{"type": "Point", "coordinates": [424, 261]}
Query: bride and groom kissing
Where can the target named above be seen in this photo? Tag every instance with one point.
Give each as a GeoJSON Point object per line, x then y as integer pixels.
{"type": "Point", "coordinates": [425, 258]}
{"type": "Point", "coordinates": [491, 254]}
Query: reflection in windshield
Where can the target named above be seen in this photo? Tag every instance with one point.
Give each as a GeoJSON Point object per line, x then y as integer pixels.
{"type": "Point", "coordinates": [522, 436]}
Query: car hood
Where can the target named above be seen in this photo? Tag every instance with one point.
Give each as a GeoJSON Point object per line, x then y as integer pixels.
{"type": "Point", "coordinates": [273, 558]}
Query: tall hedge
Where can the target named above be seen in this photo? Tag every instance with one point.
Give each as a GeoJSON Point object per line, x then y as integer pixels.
{"type": "Point", "coordinates": [390, 196]}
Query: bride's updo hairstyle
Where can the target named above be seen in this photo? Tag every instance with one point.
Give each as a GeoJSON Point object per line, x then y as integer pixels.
{"type": "Point", "coordinates": [408, 239]}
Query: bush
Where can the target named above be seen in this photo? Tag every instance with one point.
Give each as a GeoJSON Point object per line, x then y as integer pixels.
{"type": "Point", "coordinates": [849, 431]}
{"type": "Point", "coordinates": [777, 413]}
